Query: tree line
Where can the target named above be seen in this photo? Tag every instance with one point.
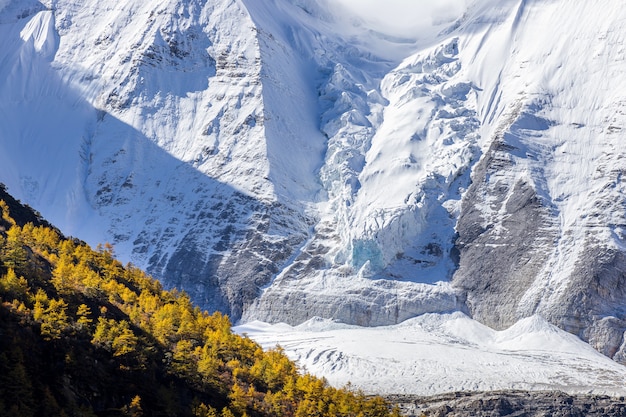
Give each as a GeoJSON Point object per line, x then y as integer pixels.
{"type": "Point", "coordinates": [83, 335]}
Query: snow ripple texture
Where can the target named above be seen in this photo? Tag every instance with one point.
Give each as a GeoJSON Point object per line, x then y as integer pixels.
{"type": "Point", "coordinates": [439, 353]}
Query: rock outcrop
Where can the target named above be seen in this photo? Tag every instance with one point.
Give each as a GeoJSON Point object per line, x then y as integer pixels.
{"type": "Point", "coordinates": [511, 403]}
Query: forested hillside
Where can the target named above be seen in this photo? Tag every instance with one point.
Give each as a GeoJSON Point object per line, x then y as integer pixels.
{"type": "Point", "coordinates": [83, 335]}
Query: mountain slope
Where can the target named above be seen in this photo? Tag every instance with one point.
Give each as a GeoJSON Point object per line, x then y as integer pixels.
{"type": "Point", "coordinates": [84, 336]}
{"type": "Point", "coordinates": [287, 159]}
{"type": "Point", "coordinates": [540, 228]}
{"type": "Point", "coordinates": [147, 135]}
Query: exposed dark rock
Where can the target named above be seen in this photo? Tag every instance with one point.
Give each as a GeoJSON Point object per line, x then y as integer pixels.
{"type": "Point", "coordinates": [228, 275]}
{"type": "Point", "coordinates": [510, 230]}
{"type": "Point", "coordinates": [510, 404]}
{"type": "Point", "coordinates": [499, 260]}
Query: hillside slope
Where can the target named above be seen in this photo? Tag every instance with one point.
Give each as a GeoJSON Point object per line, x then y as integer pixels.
{"type": "Point", "coordinates": [84, 336]}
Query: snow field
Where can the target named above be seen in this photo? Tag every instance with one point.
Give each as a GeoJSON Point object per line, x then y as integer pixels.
{"type": "Point", "coordinates": [438, 353]}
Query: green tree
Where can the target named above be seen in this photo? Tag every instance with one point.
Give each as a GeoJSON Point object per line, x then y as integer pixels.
{"type": "Point", "coordinates": [184, 359]}
{"type": "Point", "coordinates": [15, 385]}
{"type": "Point", "coordinates": [13, 253]}
{"type": "Point", "coordinates": [238, 399]}
{"type": "Point", "coordinates": [134, 408]}
{"type": "Point", "coordinates": [41, 303]}
{"type": "Point", "coordinates": [226, 412]}
{"type": "Point", "coordinates": [6, 215]}
{"type": "Point", "coordinates": [203, 410]}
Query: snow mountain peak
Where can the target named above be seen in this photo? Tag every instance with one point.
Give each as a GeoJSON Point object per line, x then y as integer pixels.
{"type": "Point", "coordinates": [280, 160]}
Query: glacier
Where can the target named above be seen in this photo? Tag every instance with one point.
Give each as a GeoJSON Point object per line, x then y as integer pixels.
{"type": "Point", "coordinates": [290, 159]}
{"type": "Point", "coordinates": [439, 353]}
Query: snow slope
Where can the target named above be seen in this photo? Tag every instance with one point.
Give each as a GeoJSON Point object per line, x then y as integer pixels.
{"type": "Point", "coordinates": [434, 354]}
{"type": "Point", "coordinates": [143, 124]}
{"type": "Point", "coordinates": [547, 197]}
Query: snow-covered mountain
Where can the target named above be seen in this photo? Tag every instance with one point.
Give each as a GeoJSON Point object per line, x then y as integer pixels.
{"type": "Point", "coordinates": [285, 159]}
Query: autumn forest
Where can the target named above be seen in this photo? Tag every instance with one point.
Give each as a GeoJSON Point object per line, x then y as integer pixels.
{"type": "Point", "coordinates": [83, 335]}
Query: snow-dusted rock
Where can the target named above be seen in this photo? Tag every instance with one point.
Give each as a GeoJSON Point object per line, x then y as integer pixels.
{"type": "Point", "coordinates": [540, 226]}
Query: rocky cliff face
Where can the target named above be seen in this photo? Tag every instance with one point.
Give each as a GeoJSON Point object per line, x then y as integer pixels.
{"type": "Point", "coordinates": [536, 233]}
{"type": "Point", "coordinates": [507, 403]}
{"type": "Point", "coordinates": [279, 160]}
